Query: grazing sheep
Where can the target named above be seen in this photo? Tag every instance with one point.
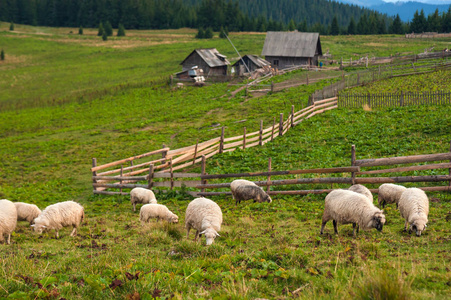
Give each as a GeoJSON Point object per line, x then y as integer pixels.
{"type": "Point", "coordinates": [414, 208]}
{"type": "Point", "coordinates": [245, 190]}
{"type": "Point", "coordinates": [59, 215]}
{"type": "Point", "coordinates": [157, 211]}
{"type": "Point", "coordinates": [345, 207]}
{"type": "Point", "coordinates": [27, 212]}
{"type": "Point", "coordinates": [205, 216]}
{"type": "Point", "coordinates": [142, 195]}
{"type": "Point", "coordinates": [358, 188]}
{"type": "Point", "coordinates": [8, 219]}
{"type": "Point", "coordinates": [390, 193]}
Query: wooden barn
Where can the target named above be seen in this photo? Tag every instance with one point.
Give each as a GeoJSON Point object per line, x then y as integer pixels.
{"type": "Point", "coordinates": [210, 61]}
{"type": "Point", "coordinates": [289, 49]}
{"type": "Point", "coordinates": [253, 62]}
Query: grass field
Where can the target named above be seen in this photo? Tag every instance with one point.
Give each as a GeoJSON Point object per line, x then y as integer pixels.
{"type": "Point", "coordinates": [66, 99]}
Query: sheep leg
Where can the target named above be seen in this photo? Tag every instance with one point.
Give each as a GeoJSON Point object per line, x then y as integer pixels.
{"type": "Point", "coordinates": [187, 232]}
{"type": "Point", "coordinates": [134, 206]}
{"type": "Point", "coordinates": [323, 225]}
{"type": "Point", "coordinates": [57, 234]}
{"type": "Point", "coordinates": [354, 228]}
{"type": "Point", "coordinates": [74, 232]}
{"type": "Point", "coordinates": [8, 241]}
{"type": "Point", "coordinates": [335, 226]}
{"type": "Point", "coordinates": [197, 235]}
{"type": "Point", "coordinates": [405, 226]}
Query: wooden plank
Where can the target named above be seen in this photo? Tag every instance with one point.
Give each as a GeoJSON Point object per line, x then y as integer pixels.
{"type": "Point", "coordinates": [230, 139]}
{"type": "Point", "coordinates": [176, 175]}
{"type": "Point", "coordinates": [133, 167]}
{"type": "Point", "coordinates": [116, 178]}
{"type": "Point", "coordinates": [118, 185]}
{"type": "Point", "coordinates": [178, 184]}
{"type": "Point", "coordinates": [377, 180]}
{"type": "Point", "coordinates": [200, 146]}
{"type": "Point", "coordinates": [333, 99]}
{"type": "Point", "coordinates": [128, 159]}
{"type": "Point", "coordinates": [111, 193]}
{"type": "Point", "coordinates": [407, 169]}
{"type": "Point", "coordinates": [402, 160]}
{"type": "Point", "coordinates": [233, 145]}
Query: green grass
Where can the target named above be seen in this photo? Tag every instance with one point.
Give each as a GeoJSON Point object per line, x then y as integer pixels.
{"type": "Point", "coordinates": [265, 251]}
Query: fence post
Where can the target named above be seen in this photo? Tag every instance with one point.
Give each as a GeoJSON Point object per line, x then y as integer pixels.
{"type": "Point", "coordinates": [195, 151]}
{"type": "Point", "coordinates": [221, 141]}
{"type": "Point", "coordinates": [281, 125]}
{"type": "Point", "coordinates": [292, 115]}
{"type": "Point", "coordinates": [94, 164]}
{"type": "Point", "coordinates": [273, 125]}
{"type": "Point", "coordinates": [244, 138]}
{"type": "Point", "coordinates": [269, 176]}
{"type": "Point", "coordinates": [307, 78]}
{"type": "Point", "coordinates": [172, 174]}
{"type": "Point", "coordinates": [203, 167]}
{"type": "Point", "coordinates": [358, 78]}
{"type": "Point", "coordinates": [272, 86]}
{"type": "Point", "coordinates": [150, 178]}
{"type": "Point", "coordinates": [122, 174]}
{"type": "Point", "coordinates": [369, 100]}
{"type": "Point", "coordinates": [163, 156]}
{"type": "Point", "coordinates": [353, 163]}
{"type": "Point", "coordinates": [449, 169]}
{"type": "Point", "coordinates": [401, 99]}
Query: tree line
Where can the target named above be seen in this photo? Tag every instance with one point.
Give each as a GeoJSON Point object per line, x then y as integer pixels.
{"type": "Point", "coordinates": [325, 17]}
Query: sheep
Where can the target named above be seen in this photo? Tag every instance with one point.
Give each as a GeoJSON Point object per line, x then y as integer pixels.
{"type": "Point", "coordinates": [8, 219]}
{"type": "Point", "coordinates": [390, 193]}
{"type": "Point", "coordinates": [59, 215]}
{"type": "Point", "coordinates": [142, 195]}
{"type": "Point", "coordinates": [205, 216]}
{"type": "Point", "coordinates": [245, 190]}
{"type": "Point", "coordinates": [358, 188]}
{"type": "Point", "coordinates": [414, 208]}
{"type": "Point", "coordinates": [158, 211]}
{"type": "Point", "coordinates": [344, 207]}
{"type": "Point", "coordinates": [27, 212]}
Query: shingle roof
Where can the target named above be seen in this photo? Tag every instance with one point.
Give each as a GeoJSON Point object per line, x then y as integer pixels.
{"type": "Point", "coordinates": [211, 56]}
{"type": "Point", "coordinates": [258, 61]}
{"type": "Point", "coordinates": [291, 44]}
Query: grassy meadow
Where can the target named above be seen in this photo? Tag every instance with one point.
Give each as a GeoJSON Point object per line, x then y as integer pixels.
{"type": "Point", "coordinates": [65, 99]}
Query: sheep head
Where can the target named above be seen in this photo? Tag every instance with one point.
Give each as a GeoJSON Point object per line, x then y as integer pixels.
{"type": "Point", "coordinates": [210, 235]}
{"type": "Point", "coordinates": [419, 225]}
{"type": "Point", "coordinates": [173, 218]}
{"type": "Point", "coordinates": [378, 220]}
{"type": "Point", "coordinates": [39, 228]}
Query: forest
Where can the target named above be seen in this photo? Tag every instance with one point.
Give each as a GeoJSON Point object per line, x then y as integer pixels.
{"type": "Point", "coordinates": [326, 17]}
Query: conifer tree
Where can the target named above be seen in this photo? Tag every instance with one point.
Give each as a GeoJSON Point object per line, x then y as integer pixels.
{"type": "Point", "coordinates": [101, 30]}
{"type": "Point", "coordinates": [121, 30]}
{"type": "Point", "coordinates": [334, 29]}
{"type": "Point", "coordinates": [351, 26]}
{"type": "Point", "coordinates": [200, 34]}
{"type": "Point", "coordinates": [208, 33]}
{"type": "Point", "coordinates": [291, 25]}
{"type": "Point", "coordinates": [396, 26]}
{"type": "Point", "coordinates": [224, 32]}
{"type": "Point", "coordinates": [104, 36]}
{"type": "Point", "coordinates": [2, 55]}
{"type": "Point", "coordinates": [11, 26]}
{"type": "Point", "coordinates": [80, 30]}
{"type": "Point", "coordinates": [108, 28]}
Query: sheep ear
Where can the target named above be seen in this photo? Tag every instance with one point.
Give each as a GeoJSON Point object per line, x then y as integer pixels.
{"type": "Point", "coordinates": [202, 232]}
{"type": "Point", "coordinates": [217, 234]}
{"type": "Point", "coordinates": [425, 225]}
{"type": "Point", "coordinates": [33, 225]}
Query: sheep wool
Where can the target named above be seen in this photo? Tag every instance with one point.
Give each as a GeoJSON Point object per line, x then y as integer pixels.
{"type": "Point", "coordinates": [142, 195]}
{"type": "Point", "coordinates": [390, 193]}
{"type": "Point", "coordinates": [246, 190]}
{"type": "Point", "coordinates": [157, 211]}
{"type": "Point", "coordinates": [345, 207]}
{"type": "Point", "coordinates": [59, 215]}
{"type": "Point", "coordinates": [205, 216]}
{"type": "Point", "coordinates": [8, 219]}
{"type": "Point", "coordinates": [414, 208]}
{"type": "Point", "coordinates": [361, 189]}
{"type": "Point", "coordinates": [27, 212]}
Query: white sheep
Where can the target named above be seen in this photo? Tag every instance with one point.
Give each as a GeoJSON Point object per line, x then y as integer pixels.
{"type": "Point", "coordinates": [157, 211]}
{"type": "Point", "coordinates": [59, 215]}
{"type": "Point", "coordinates": [244, 190]}
{"type": "Point", "coordinates": [361, 189]}
{"type": "Point", "coordinates": [142, 195]}
{"type": "Point", "coordinates": [345, 207]}
{"type": "Point", "coordinates": [205, 216]}
{"type": "Point", "coordinates": [27, 212]}
{"type": "Point", "coordinates": [414, 208]}
{"type": "Point", "coordinates": [390, 193]}
{"type": "Point", "coordinates": [8, 219]}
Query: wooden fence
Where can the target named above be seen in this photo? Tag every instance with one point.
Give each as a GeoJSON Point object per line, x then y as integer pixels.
{"type": "Point", "coordinates": [429, 35]}
{"type": "Point", "coordinates": [168, 160]}
{"type": "Point", "coordinates": [403, 172]}
{"type": "Point", "coordinates": [394, 99]}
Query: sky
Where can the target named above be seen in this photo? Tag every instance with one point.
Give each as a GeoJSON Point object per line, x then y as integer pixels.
{"type": "Point", "coordinates": [423, 1]}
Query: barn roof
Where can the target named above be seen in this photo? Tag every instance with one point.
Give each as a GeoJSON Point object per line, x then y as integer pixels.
{"type": "Point", "coordinates": [258, 61]}
{"type": "Point", "coordinates": [291, 44]}
{"type": "Point", "coordinates": [211, 56]}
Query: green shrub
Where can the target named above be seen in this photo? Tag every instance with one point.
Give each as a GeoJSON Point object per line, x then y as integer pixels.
{"type": "Point", "coordinates": [101, 30]}
{"type": "Point", "coordinates": [108, 28]}
{"type": "Point", "coordinates": [2, 55]}
{"type": "Point", "coordinates": [80, 30]}
{"type": "Point", "coordinates": [11, 26]}
{"type": "Point", "coordinates": [383, 286]}
{"type": "Point", "coordinates": [121, 30]}
{"type": "Point", "coordinates": [104, 36]}
{"type": "Point", "coordinates": [200, 34]}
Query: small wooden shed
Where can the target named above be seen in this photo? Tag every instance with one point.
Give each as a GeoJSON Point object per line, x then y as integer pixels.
{"type": "Point", "coordinates": [289, 49]}
{"type": "Point", "coordinates": [253, 62]}
{"type": "Point", "coordinates": [210, 61]}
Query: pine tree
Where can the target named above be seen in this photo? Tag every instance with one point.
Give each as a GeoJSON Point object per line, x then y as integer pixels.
{"type": "Point", "coordinates": [2, 55]}
{"type": "Point", "coordinates": [334, 29]}
{"type": "Point", "coordinates": [208, 33]}
{"type": "Point", "coordinates": [396, 27]}
{"type": "Point", "coordinates": [101, 30]}
{"type": "Point", "coordinates": [121, 30]}
{"type": "Point", "coordinates": [302, 26]}
{"type": "Point", "coordinates": [200, 34]}
{"type": "Point", "coordinates": [104, 36]}
{"type": "Point", "coordinates": [291, 25]}
{"type": "Point", "coordinates": [351, 26]}
{"type": "Point", "coordinates": [11, 26]}
{"type": "Point", "coordinates": [80, 30]}
{"type": "Point", "coordinates": [223, 33]}
{"type": "Point", "coordinates": [108, 28]}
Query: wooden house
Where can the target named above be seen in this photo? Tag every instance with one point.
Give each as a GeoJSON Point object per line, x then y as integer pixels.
{"type": "Point", "coordinates": [253, 62]}
{"type": "Point", "coordinates": [210, 61]}
{"type": "Point", "coordinates": [288, 49]}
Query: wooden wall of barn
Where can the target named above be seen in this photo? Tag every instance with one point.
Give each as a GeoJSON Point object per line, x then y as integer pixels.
{"type": "Point", "coordinates": [287, 62]}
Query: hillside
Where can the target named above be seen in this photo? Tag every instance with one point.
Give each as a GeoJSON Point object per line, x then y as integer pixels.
{"type": "Point", "coordinates": [116, 105]}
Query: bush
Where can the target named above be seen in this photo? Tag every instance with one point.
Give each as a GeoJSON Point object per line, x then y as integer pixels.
{"type": "Point", "coordinates": [208, 33]}
{"type": "Point", "coordinates": [11, 26]}
{"type": "Point", "coordinates": [101, 30]}
{"type": "Point", "coordinates": [80, 30]}
{"type": "Point", "coordinates": [104, 36]}
{"type": "Point", "coordinates": [2, 55]}
{"type": "Point", "coordinates": [121, 30]}
{"type": "Point", "coordinates": [108, 28]}
{"type": "Point", "coordinates": [200, 34]}
{"type": "Point", "coordinates": [224, 32]}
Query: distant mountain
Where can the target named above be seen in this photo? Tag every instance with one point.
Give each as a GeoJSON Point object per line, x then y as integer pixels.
{"type": "Point", "coordinates": [404, 9]}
